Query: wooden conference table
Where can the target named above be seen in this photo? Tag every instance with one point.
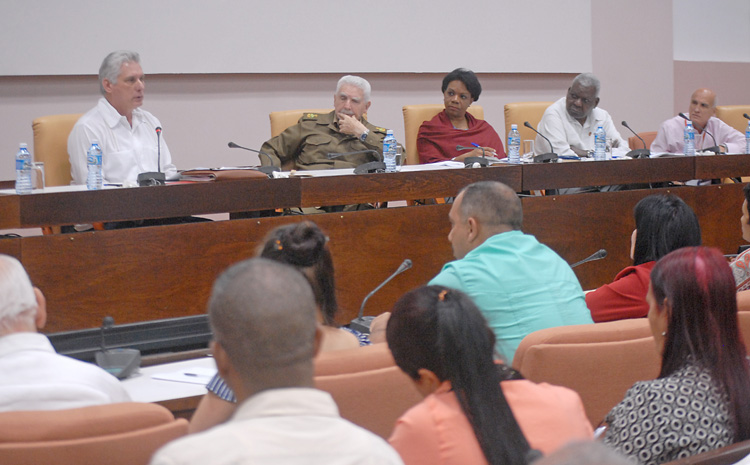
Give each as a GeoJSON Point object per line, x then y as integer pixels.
{"type": "Point", "coordinates": [167, 271]}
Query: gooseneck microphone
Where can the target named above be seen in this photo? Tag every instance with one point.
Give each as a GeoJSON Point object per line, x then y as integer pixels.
{"type": "Point", "coordinates": [746, 115]}
{"type": "Point", "coordinates": [362, 323]}
{"type": "Point", "coordinates": [637, 153]}
{"type": "Point", "coordinates": [545, 157]}
{"type": "Point", "coordinates": [263, 169]}
{"type": "Point", "coordinates": [469, 161]}
{"type": "Point", "coordinates": [118, 362]}
{"type": "Point", "coordinates": [154, 178]}
{"type": "Point", "coordinates": [598, 255]}
{"type": "Point", "coordinates": [715, 148]}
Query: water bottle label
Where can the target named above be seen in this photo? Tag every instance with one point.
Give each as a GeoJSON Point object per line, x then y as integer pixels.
{"type": "Point", "coordinates": [20, 164]}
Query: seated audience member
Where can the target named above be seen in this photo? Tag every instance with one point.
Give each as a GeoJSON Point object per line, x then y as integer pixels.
{"type": "Point", "coordinates": [454, 126]}
{"type": "Point", "coordinates": [304, 246]}
{"type": "Point", "coordinates": [126, 133]}
{"type": "Point", "coordinates": [475, 410]}
{"type": "Point", "coordinates": [263, 316]}
{"type": "Point", "coordinates": [32, 375]}
{"type": "Point", "coordinates": [584, 453]}
{"type": "Point", "coordinates": [741, 265]}
{"type": "Point", "coordinates": [663, 223]}
{"type": "Point", "coordinates": [699, 402]}
{"type": "Point", "coordinates": [570, 122]}
{"type": "Point", "coordinates": [312, 143]}
{"type": "Point", "coordinates": [670, 138]}
{"type": "Point", "coordinates": [519, 284]}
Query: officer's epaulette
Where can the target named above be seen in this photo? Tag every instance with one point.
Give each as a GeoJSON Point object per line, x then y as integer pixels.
{"type": "Point", "coordinates": [379, 129]}
{"type": "Point", "coordinates": [310, 116]}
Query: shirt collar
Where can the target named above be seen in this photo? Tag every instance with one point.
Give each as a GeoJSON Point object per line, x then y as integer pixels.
{"type": "Point", "coordinates": [113, 117]}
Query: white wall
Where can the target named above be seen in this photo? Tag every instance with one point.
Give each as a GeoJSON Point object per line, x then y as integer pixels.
{"type": "Point", "coordinates": [629, 50]}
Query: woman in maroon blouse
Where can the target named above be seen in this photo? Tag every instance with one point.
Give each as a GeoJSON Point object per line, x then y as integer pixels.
{"type": "Point", "coordinates": [438, 137]}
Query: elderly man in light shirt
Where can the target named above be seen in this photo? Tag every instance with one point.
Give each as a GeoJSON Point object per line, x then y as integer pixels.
{"type": "Point", "coordinates": [126, 133]}
{"type": "Point", "coordinates": [670, 138]}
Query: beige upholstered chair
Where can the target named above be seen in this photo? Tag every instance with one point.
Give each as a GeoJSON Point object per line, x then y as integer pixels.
{"type": "Point", "coordinates": [599, 361]}
{"type": "Point", "coordinates": [732, 115]}
{"type": "Point", "coordinates": [519, 112]}
{"type": "Point", "coordinates": [415, 115]}
{"type": "Point", "coordinates": [116, 434]}
{"type": "Point", "coordinates": [280, 120]}
{"type": "Point", "coordinates": [635, 143]}
{"type": "Point", "coordinates": [373, 399]}
{"type": "Point", "coordinates": [51, 146]}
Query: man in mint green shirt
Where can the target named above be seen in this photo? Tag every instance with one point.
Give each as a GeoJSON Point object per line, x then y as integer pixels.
{"type": "Point", "coordinates": [519, 284]}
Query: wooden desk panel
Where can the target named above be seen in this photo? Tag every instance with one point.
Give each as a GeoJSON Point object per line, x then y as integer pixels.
{"type": "Point", "coordinates": [722, 166]}
{"type": "Point", "coordinates": [604, 173]}
{"type": "Point", "coordinates": [384, 187]}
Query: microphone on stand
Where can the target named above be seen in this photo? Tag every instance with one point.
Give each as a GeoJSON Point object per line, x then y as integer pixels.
{"type": "Point", "coordinates": [598, 255]}
{"type": "Point", "coordinates": [362, 323]}
{"type": "Point", "coordinates": [715, 149]}
{"type": "Point", "coordinates": [746, 115]}
{"type": "Point", "coordinates": [154, 178]}
{"type": "Point", "coordinates": [263, 169]}
{"type": "Point", "coordinates": [469, 161]}
{"type": "Point", "coordinates": [637, 153]}
{"type": "Point", "coordinates": [545, 157]}
{"type": "Point", "coordinates": [120, 363]}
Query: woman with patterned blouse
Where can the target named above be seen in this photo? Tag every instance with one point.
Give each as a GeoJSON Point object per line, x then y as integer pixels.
{"type": "Point", "coordinates": [700, 400]}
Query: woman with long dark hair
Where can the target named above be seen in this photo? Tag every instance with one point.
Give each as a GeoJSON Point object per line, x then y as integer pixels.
{"type": "Point", "coordinates": [663, 223]}
{"type": "Point", "coordinates": [700, 400]}
{"type": "Point", "coordinates": [473, 406]}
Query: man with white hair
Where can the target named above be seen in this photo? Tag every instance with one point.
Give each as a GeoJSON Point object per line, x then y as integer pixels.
{"type": "Point", "coordinates": [570, 122]}
{"type": "Point", "coordinates": [318, 141]}
{"type": "Point", "coordinates": [126, 134]}
{"type": "Point", "coordinates": [32, 375]}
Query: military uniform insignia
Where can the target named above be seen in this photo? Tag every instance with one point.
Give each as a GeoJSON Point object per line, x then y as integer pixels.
{"type": "Point", "coordinates": [310, 116]}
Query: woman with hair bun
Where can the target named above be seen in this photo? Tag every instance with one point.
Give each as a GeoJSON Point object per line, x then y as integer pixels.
{"type": "Point", "coordinates": [700, 400]}
{"type": "Point", "coordinates": [475, 410]}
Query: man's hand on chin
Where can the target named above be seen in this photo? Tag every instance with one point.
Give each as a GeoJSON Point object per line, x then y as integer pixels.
{"type": "Point", "coordinates": [350, 125]}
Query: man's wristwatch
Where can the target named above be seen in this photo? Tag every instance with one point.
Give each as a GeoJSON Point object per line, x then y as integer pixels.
{"type": "Point", "coordinates": [364, 135]}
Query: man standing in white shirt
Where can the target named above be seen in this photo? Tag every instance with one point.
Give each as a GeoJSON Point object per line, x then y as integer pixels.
{"type": "Point", "coordinates": [125, 132]}
{"type": "Point", "coordinates": [32, 375]}
{"type": "Point", "coordinates": [263, 318]}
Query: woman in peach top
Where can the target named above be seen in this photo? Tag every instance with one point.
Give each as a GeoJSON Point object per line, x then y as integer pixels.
{"type": "Point", "coordinates": [475, 410]}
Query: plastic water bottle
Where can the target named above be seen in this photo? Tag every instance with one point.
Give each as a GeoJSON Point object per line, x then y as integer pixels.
{"type": "Point", "coordinates": [600, 144]}
{"type": "Point", "coordinates": [389, 152]}
{"type": "Point", "coordinates": [514, 145]}
{"type": "Point", "coordinates": [747, 138]}
{"type": "Point", "coordinates": [23, 170]}
{"type": "Point", "coordinates": [94, 162]}
{"type": "Point", "coordinates": [689, 139]}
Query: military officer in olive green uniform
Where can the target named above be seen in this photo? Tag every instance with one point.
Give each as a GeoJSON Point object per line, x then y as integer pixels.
{"type": "Point", "coordinates": [313, 142]}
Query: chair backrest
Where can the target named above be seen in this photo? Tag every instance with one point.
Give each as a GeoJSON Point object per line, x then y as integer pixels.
{"type": "Point", "coordinates": [415, 115]}
{"type": "Point", "coordinates": [280, 120]}
{"type": "Point", "coordinates": [355, 360]}
{"type": "Point", "coordinates": [635, 143]}
{"type": "Point", "coordinates": [51, 146]}
{"type": "Point", "coordinates": [372, 399]}
{"type": "Point", "coordinates": [120, 434]}
{"type": "Point", "coordinates": [599, 361]}
{"type": "Point", "coordinates": [732, 115]}
{"type": "Point", "coordinates": [519, 112]}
